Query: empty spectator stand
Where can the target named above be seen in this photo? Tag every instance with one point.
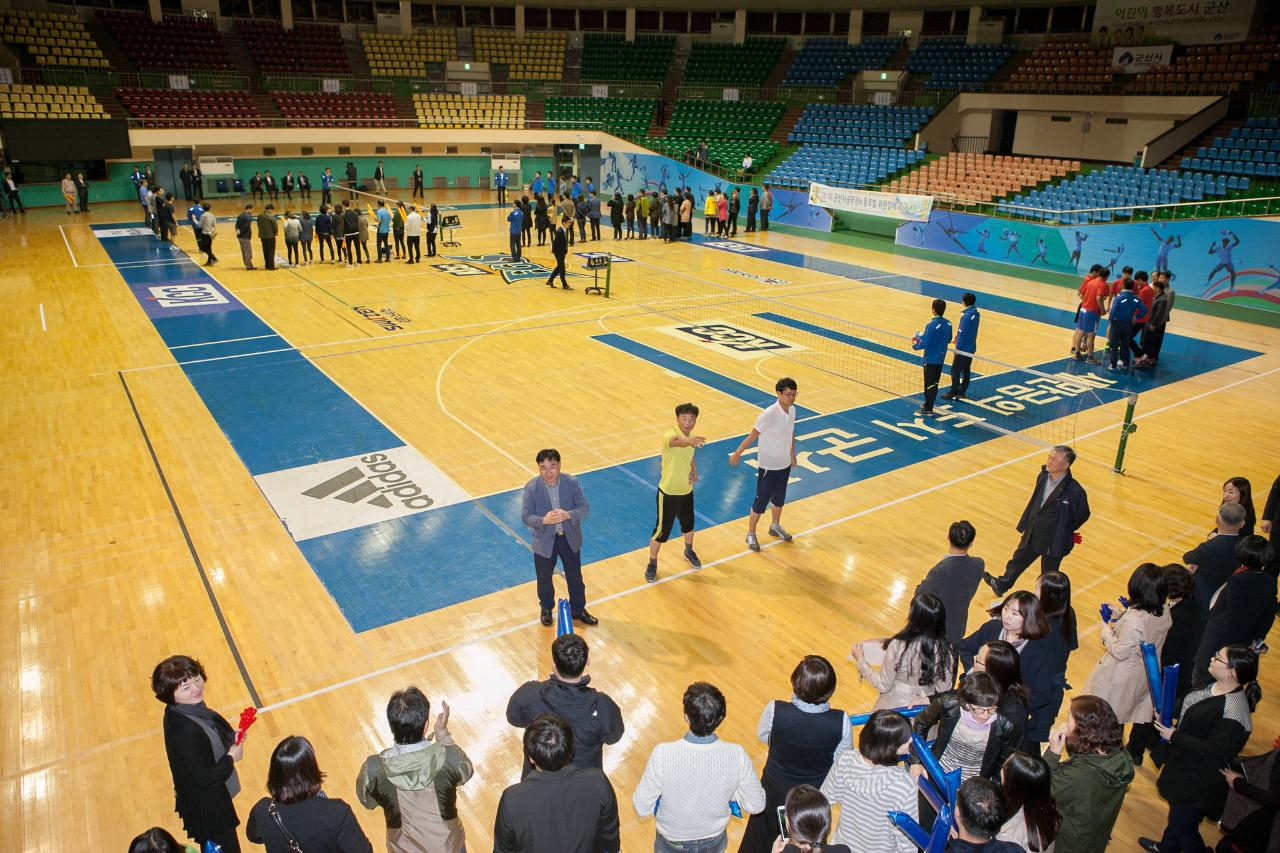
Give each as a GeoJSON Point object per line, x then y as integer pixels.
{"type": "Point", "coordinates": [1064, 64]}
{"type": "Point", "coordinates": [25, 100]}
{"type": "Point", "coordinates": [629, 116]}
{"type": "Point", "coordinates": [539, 56]}
{"type": "Point", "coordinates": [1211, 68]}
{"type": "Point", "coordinates": [178, 107]}
{"type": "Point", "coordinates": [726, 154]}
{"type": "Point", "coordinates": [396, 55]}
{"type": "Point", "coordinates": [981, 177]}
{"type": "Point", "coordinates": [950, 63]}
{"type": "Point", "coordinates": [305, 49]}
{"type": "Point", "coordinates": [612, 57]}
{"type": "Point", "coordinates": [336, 109]}
{"type": "Point", "coordinates": [859, 124]}
{"type": "Point", "coordinates": [175, 43]}
{"type": "Point", "coordinates": [724, 120]}
{"type": "Point", "coordinates": [1252, 150]}
{"type": "Point", "coordinates": [1119, 188]}
{"type": "Point", "coordinates": [840, 166]}
{"type": "Point", "coordinates": [831, 61]}
{"type": "Point", "coordinates": [742, 65]}
{"type": "Point", "coordinates": [50, 39]}
{"type": "Point", "coordinates": [447, 110]}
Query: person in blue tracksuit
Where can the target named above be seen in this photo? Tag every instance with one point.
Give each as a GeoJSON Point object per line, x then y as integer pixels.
{"type": "Point", "coordinates": [933, 340]}
{"type": "Point", "coordinates": [326, 186]}
{"type": "Point", "coordinates": [500, 181]}
{"type": "Point", "coordinates": [516, 219]}
{"type": "Point", "coordinates": [966, 345]}
{"type": "Point", "coordinates": [1125, 308]}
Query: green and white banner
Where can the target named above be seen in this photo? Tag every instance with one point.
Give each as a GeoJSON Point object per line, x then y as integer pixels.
{"type": "Point", "coordinates": [1131, 23]}
{"type": "Point", "coordinates": [889, 205]}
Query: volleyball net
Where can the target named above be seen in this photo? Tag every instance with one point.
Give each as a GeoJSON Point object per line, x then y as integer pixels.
{"type": "Point", "coordinates": [1038, 405]}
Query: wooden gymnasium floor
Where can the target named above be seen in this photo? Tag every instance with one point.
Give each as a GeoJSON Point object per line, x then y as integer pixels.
{"type": "Point", "coordinates": [133, 526]}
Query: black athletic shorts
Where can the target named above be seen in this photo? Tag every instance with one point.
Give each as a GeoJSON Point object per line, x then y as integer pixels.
{"type": "Point", "coordinates": [771, 488]}
{"type": "Point", "coordinates": [670, 508]}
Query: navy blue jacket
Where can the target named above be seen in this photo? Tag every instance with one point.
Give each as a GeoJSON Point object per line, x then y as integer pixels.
{"type": "Point", "coordinates": [1052, 526]}
{"type": "Point", "coordinates": [967, 334]}
{"type": "Point", "coordinates": [1127, 306]}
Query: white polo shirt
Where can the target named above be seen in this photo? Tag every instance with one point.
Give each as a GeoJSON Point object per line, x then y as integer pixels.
{"type": "Point", "coordinates": [776, 428]}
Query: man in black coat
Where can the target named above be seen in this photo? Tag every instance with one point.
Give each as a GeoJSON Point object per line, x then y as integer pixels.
{"type": "Point", "coordinates": [558, 807]}
{"type": "Point", "coordinates": [1214, 560]}
{"type": "Point", "coordinates": [1056, 510]}
{"type": "Point", "coordinates": [560, 248]}
{"type": "Point", "coordinates": [185, 177]}
{"type": "Point", "coordinates": [594, 717]}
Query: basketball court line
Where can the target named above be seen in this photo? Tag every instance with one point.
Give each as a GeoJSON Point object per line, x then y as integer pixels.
{"type": "Point", "coordinates": [67, 243]}
{"type": "Point", "coordinates": [494, 635]}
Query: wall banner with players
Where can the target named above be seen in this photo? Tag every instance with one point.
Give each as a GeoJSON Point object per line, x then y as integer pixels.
{"type": "Point", "coordinates": [914, 208]}
{"type": "Point", "coordinates": [1129, 23]}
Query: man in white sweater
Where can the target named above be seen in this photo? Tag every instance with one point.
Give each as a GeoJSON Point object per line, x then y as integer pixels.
{"type": "Point", "coordinates": [694, 784]}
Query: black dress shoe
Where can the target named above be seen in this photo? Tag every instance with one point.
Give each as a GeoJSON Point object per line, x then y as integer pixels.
{"type": "Point", "coordinates": [1149, 845]}
{"type": "Point", "coordinates": [586, 618]}
{"type": "Point", "coordinates": [997, 585]}
{"type": "Point", "coordinates": [546, 617]}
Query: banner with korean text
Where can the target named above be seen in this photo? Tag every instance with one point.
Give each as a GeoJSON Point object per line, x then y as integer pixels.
{"type": "Point", "coordinates": [1135, 60]}
{"type": "Point", "coordinates": [889, 205]}
{"type": "Point", "coordinates": [1128, 23]}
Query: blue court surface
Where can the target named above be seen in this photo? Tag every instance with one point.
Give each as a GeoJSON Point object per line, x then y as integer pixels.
{"type": "Point", "coordinates": [283, 415]}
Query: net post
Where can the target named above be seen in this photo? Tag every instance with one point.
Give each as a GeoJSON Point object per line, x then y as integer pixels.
{"type": "Point", "coordinates": [1126, 429]}
{"type": "Point", "coordinates": [608, 275]}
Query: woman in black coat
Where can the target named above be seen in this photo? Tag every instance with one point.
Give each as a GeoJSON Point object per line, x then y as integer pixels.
{"type": "Point", "coordinates": [1001, 661]}
{"type": "Point", "coordinates": [202, 754]}
{"type": "Point", "coordinates": [1212, 729]}
{"type": "Point", "coordinates": [1020, 621]}
{"type": "Point", "coordinates": [1243, 610]}
{"type": "Point", "coordinates": [298, 815]}
{"type": "Point", "coordinates": [1258, 794]}
{"type": "Point", "coordinates": [1054, 591]}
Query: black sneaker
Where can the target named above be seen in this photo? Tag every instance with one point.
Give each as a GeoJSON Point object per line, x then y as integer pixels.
{"type": "Point", "coordinates": [651, 571]}
{"type": "Point", "coordinates": [692, 558]}
{"type": "Point", "coordinates": [1149, 844]}
{"type": "Point", "coordinates": [545, 618]}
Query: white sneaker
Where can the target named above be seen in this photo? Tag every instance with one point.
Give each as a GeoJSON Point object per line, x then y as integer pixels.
{"type": "Point", "coordinates": [752, 542]}
{"type": "Point", "coordinates": [778, 531]}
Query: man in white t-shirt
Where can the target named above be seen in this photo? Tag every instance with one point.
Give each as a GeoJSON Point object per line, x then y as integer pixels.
{"type": "Point", "coordinates": [776, 429]}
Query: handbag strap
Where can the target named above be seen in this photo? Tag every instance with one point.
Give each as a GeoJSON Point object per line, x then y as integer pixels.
{"type": "Point", "coordinates": [294, 846]}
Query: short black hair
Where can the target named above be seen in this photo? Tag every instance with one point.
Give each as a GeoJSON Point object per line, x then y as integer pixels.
{"type": "Point", "coordinates": [968, 299]}
{"type": "Point", "coordinates": [171, 672]}
{"type": "Point", "coordinates": [1127, 270]}
{"type": "Point", "coordinates": [961, 534]}
{"type": "Point", "coordinates": [155, 840]}
{"type": "Point", "coordinates": [1178, 580]}
{"type": "Point", "coordinates": [686, 408]}
{"type": "Point", "coordinates": [548, 742]}
{"type": "Point", "coordinates": [1141, 275]}
{"type": "Point", "coordinates": [569, 654]}
{"type": "Point", "coordinates": [1127, 284]}
{"type": "Point", "coordinates": [1095, 268]}
{"type": "Point", "coordinates": [1253, 551]}
{"type": "Point", "coordinates": [980, 808]}
{"type": "Point", "coordinates": [786, 383]}
{"type": "Point", "coordinates": [939, 307]}
{"type": "Point", "coordinates": [407, 713]}
{"type": "Point", "coordinates": [882, 737]}
{"type": "Point", "coordinates": [548, 453]}
{"type": "Point", "coordinates": [979, 690]}
{"type": "Point", "coordinates": [294, 774]}
{"type": "Point", "coordinates": [1148, 588]}
{"type": "Point", "coordinates": [1104, 271]}
{"type": "Point", "coordinates": [813, 680]}
{"type": "Point", "coordinates": [704, 705]}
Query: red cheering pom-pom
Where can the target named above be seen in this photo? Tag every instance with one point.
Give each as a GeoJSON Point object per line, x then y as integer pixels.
{"type": "Point", "coordinates": [248, 717]}
{"type": "Point", "coordinates": [1077, 537]}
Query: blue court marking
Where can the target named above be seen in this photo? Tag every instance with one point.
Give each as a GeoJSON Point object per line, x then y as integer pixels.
{"type": "Point", "coordinates": [841, 337]}
{"type": "Point", "coordinates": [279, 411]}
{"type": "Point", "coordinates": [689, 370]}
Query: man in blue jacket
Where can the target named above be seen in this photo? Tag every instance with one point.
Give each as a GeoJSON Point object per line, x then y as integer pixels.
{"type": "Point", "coordinates": [933, 340]}
{"type": "Point", "coordinates": [554, 507]}
{"type": "Point", "coordinates": [1125, 308]}
{"type": "Point", "coordinates": [516, 220]}
{"type": "Point", "coordinates": [966, 346]}
{"type": "Point", "coordinates": [500, 181]}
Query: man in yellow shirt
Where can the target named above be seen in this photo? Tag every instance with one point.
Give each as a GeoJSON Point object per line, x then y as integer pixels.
{"type": "Point", "coordinates": [675, 487]}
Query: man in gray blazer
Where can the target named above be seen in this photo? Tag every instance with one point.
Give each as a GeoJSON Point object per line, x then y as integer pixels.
{"type": "Point", "coordinates": [553, 507]}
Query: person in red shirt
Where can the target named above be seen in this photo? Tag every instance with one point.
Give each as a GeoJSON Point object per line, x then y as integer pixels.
{"type": "Point", "coordinates": [1143, 290]}
{"type": "Point", "coordinates": [1093, 299]}
{"type": "Point", "coordinates": [1117, 284]}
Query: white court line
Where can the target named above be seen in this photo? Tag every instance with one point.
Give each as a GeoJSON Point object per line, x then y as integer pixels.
{"type": "Point", "coordinates": [395, 667]}
{"type": "Point", "coordinates": [227, 341]}
{"type": "Point", "coordinates": [44, 327]}
{"type": "Point", "coordinates": [67, 243]}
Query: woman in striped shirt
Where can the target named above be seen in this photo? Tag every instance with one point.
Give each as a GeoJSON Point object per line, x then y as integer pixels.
{"type": "Point", "coordinates": [868, 783]}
